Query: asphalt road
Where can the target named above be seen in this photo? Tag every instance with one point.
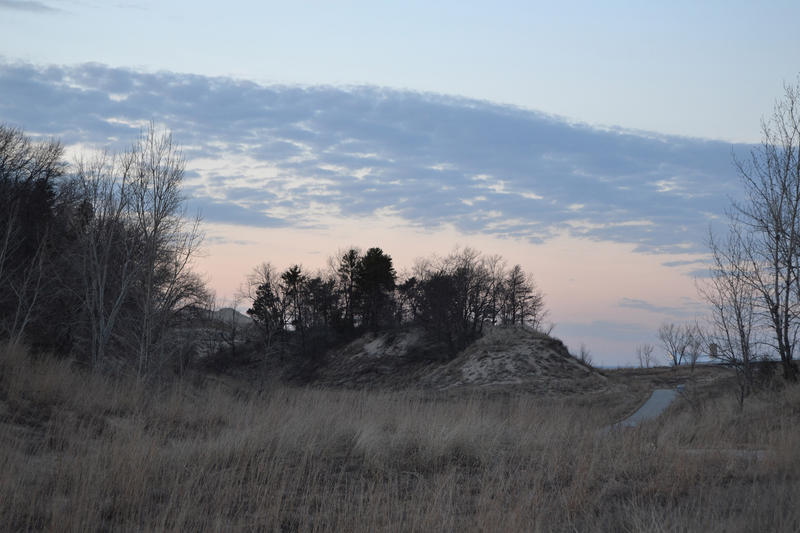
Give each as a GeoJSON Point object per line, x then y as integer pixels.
{"type": "Point", "coordinates": [654, 406]}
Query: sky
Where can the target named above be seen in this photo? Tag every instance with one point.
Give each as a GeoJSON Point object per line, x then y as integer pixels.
{"type": "Point", "coordinates": [591, 143]}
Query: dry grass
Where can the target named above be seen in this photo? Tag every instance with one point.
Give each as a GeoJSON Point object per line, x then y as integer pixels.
{"type": "Point", "coordinates": [81, 453]}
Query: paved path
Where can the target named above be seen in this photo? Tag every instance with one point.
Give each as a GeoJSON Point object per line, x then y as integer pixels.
{"type": "Point", "coordinates": [657, 404]}
{"type": "Point", "coordinates": [654, 406]}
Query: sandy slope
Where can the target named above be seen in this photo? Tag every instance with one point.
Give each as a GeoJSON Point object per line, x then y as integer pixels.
{"type": "Point", "coordinates": [516, 357]}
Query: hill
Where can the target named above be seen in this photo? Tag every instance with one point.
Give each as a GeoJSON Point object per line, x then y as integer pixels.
{"type": "Point", "coordinates": [513, 357]}
{"type": "Point", "coordinates": [229, 315]}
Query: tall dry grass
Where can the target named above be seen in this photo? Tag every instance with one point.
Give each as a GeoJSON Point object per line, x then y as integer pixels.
{"type": "Point", "coordinates": [81, 452]}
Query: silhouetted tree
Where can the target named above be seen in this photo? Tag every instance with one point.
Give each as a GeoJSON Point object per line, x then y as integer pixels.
{"type": "Point", "coordinates": [680, 342]}
{"type": "Point", "coordinates": [269, 306]}
{"type": "Point", "coordinates": [734, 303]}
{"type": "Point", "coordinates": [323, 311]}
{"type": "Point", "coordinates": [770, 217]}
{"type": "Point", "coordinates": [29, 234]}
{"type": "Point", "coordinates": [375, 280]}
{"type": "Point", "coordinates": [409, 298]}
{"type": "Point", "coordinates": [347, 272]}
{"type": "Point", "coordinates": [644, 353]}
{"type": "Point", "coordinates": [168, 240]}
{"type": "Point", "coordinates": [439, 309]}
{"type": "Point", "coordinates": [452, 297]}
{"type": "Point", "coordinates": [108, 248]}
{"type": "Point", "coordinates": [293, 286]}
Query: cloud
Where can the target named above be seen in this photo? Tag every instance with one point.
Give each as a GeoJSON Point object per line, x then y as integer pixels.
{"type": "Point", "coordinates": [604, 329]}
{"type": "Point", "coordinates": [270, 155]}
{"type": "Point", "coordinates": [27, 5]}
{"type": "Point", "coordinates": [218, 239]}
{"type": "Point", "coordinates": [684, 262]}
{"type": "Point", "coordinates": [687, 310]}
{"type": "Point", "coordinates": [231, 213]}
{"type": "Point", "coordinates": [700, 273]}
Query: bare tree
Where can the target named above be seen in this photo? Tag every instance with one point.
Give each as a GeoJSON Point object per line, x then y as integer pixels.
{"type": "Point", "coordinates": [108, 246]}
{"type": "Point", "coordinates": [733, 300]}
{"type": "Point", "coordinates": [8, 240]}
{"type": "Point", "coordinates": [675, 340]}
{"type": "Point", "coordinates": [268, 307]}
{"type": "Point", "coordinates": [479, 281]}
{"type": "Point", "coordinates": [695, 342]}
{"type": "Point", "coordinates": [460, 293]}
{"type": "Point", "coordinates": [522, 302]}
{"type": "Point", "coordinates": [169, 240]}
{"type": "Point", "coordinates": [770, 216]}
{"type": "Point", "coordinates": [26, 290]}
{"type": "Point", "coordinates": [644, 353]}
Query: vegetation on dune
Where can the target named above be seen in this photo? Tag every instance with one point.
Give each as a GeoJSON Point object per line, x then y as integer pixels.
{"type": "Point", "coordinates": [452, 298]}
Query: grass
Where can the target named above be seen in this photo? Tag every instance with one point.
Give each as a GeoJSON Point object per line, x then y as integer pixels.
{"type": "Point", "coordinates": [82, 452]}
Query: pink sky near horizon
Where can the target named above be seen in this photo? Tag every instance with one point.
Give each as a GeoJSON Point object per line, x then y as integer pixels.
{"type": "Point", "coordinates": [583, 280]}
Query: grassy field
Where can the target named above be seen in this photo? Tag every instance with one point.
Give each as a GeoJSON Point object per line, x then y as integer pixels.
{"type": "Point", "coordinates": [82, 453]}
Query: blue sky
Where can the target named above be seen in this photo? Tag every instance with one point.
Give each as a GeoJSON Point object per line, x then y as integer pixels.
{"type": "Point", "coordinates": [587, 142]}
{"type": "Point", "coordinates": [707, 69]}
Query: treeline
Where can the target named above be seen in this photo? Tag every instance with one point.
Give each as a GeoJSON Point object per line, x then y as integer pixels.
{"type": "Point", "coordinates": [452, 297]}
{"type": "Point", "coordinates": [95, 263]}
{"type": "Point", "coordinates": [95, 256]}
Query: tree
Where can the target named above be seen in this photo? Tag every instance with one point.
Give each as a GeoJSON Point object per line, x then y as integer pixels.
{"type": "Point", "coordinates": [375, 281]}
{"type": "Point", "coordinates": [108, 244]}
{"type": "Point", "coordinates": [675, 340]}
{"type": "Point", "coordinates": [409, 298]}
{"type": "Point", "coordinates": [108, 247]}
{"type": "Point", "coordinates": [168, 240]}
{"type": "Point", "coordinates": [733, 300]}
{"type": "Point", "coordinates": [322, 303]}
{"type": "Point", "coordinates": [522, 302]}
{"type": "Point", "coordinates": [28, 174]}
{"type": "Point", "coordinates": [681, 343]}
{"type": "Point", "coordinates": [694, 344]}
{"type": "Point", "coordinates": [514, 296]}
{"type": "Point", "coordinates": [347, 271]}
{"type": "Point", "coordinates": [439, 309]}
{"type": "Point", "coordinates": [457, 295]}
{"type": "Point", "coordinates": [268, 310]}
{"type": "Point", "coordinates": [770, 217]}
{"type": "Point", "coordinates": [293, 283]}
{"type": "Point", "coordinates": [644, 353]}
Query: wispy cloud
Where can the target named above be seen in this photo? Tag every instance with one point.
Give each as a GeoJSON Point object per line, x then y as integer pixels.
{"type": "Point", "coordinates": [684, 262]}
{"type": "Point", "coordinates": [604, 329]}
{"type": "Point", "coordinates": [27, 5]}
{"type": "Point", "coordinates": [289, 155]}
{"type": "Point", "coordinates": [700, 273]}
{"type": "Point", "coordinates": [688, 309]}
